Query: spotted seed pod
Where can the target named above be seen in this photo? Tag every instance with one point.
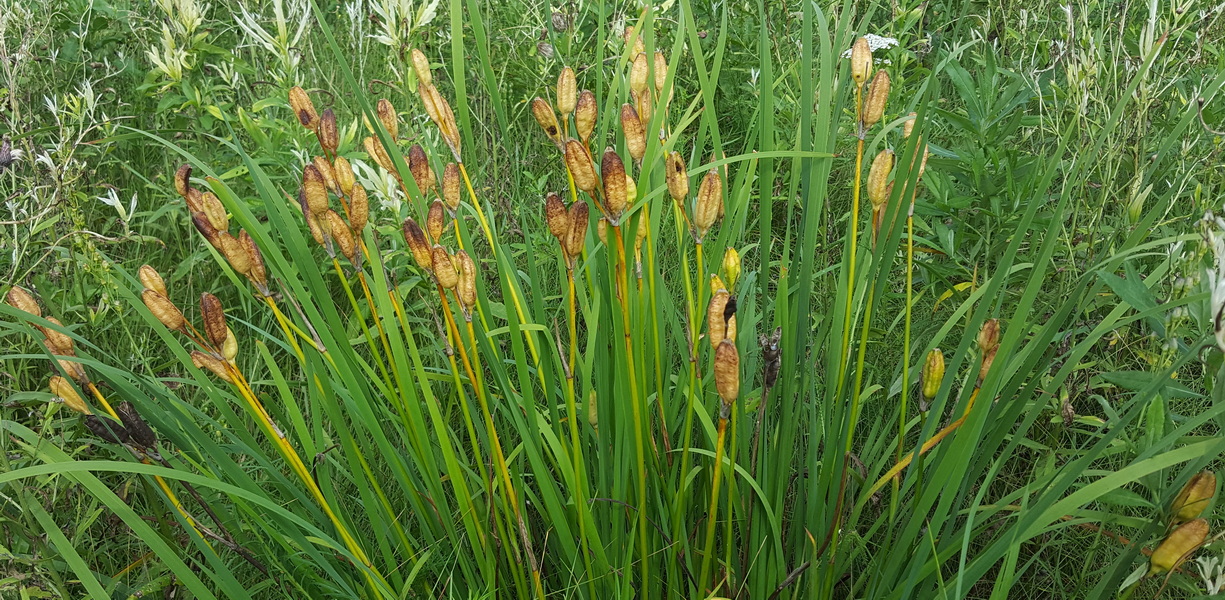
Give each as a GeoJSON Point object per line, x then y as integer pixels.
{"type": "Point", "coordinates": [677, 176]}
{"type": "Point", "coordinates": [612, 172]}
{"type": "Point", "coordinates": [630, 37]}
{"type": "Point", "coordinates": [731, 266]}
{"type": "Point", "coordinates": [585, 115]}
{"type": "Point", "coordinates": [709, 201]}
{"type": "Point", "coordinates": [229, 349]}
{"type": "Point", "coordinates": [182, 179]}
{"type": "Point", "coordinates": [566, 92]}
{"type": "Point", "coordinates": [329, 174]}
{"type": "Point", "coordinates": [646, 109]}
{"type": "Point", "coordinates": [20, 299]}
{"type": "Point", "coordinates": [138, 430]}
{"type": "Point", "coordinates": [328, 132]}
{"type": "Point", "coordinates": [302, 106]}
{"type": "Point", "coordinates": [386, 113]}
{"type": "Point", "coordinates": [878, 178]}
{"type": "Point", "coordinates": [716, 324]}
{"type": "Point", "coordinates": [315, 189]}
{"type": "Point", "coordinates": [878, 94]}
{"type": "Point", "coordinates": [933, 373]}
{"type": "Point", "coordinates": [635, 135]}
{"type": "Point", "coordinates": [378, 153]}
{"type": "Point", "coordinates": [57, 341]}
{"type": "Point", "coordinates": [359, 209]}
{"type": "Point", "coordinates": [1194, 496]}
{"type": "Point", "coordinates": [1178, 546]}
{"type": "Point", "coordinates": [576, 234]}
{"type": "Point", "coordinates": [556, 217]}
{"type": "Point", "coordinates": [63, 388]}
{"type": "Point", "coordinates": [417, 244]}
{"type": "Point", "coordinates": [579, 163]}
{"type": "Point", "coordinates": [727, 371]}
{"type": "Point", "coordinates": [234, 252]}
{"type": "Point", "coordinates": [107, 430]}
{"type": "Point", "coordinates": [419, 166]}
{"type": "Point", "coordinates": [344, 175]}
{"type": "Point", "coordinates": [259, 272]}
{"type": "Point", "coordinates": [215, 211]}
{"type": "Point", "coordinates": [163, 309]}
{"type": "Point", "coordinates": [450, 186]}
{"type": "Point", "coordinates": [547, 119]}
{"type": "Point", "coordinates": [150, 278]}
{"type": "Point", "coordinates": [339, 230]}
{"type": "Point", "coordinates": [212, 364]}
{"type": "Point", "coordinates": [214, 319]}
{"type": "Point", "coordinates": [444, 268]}
{"type": "Point", "coordinates": [861, 61]}
{"type": "Point", "coordinates": [421, 66]}
{"type": "Point", "coordinates": [639, 72]}
{"type": "Point", "coordinates": [431, 101]}
{"type": "Point", "coordinates": [435, 222]}
{"type": "Point", "coordinates": [466, 288]}
{"type": "Point", "coordinates": [439, 111]}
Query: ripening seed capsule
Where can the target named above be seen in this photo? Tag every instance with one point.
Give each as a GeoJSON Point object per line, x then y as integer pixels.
{"type": "Point", "coordinates": [419, 166]}
{"type": "Point", "coordinates": [431, 100]}
{"type": "Point", "coordinates": [63, 388]}
{"type": "Point", "coordinates": [635, 135]}
{"type": "Point", "coordinates": [601, 230]}
{"type": "Point", "coordinates": [908, 126]}
{"type": "Point", "coordinates": [556, 217]}
{"type": "Point", "coordinates": [386, 113]}
{"type": "Point", "coordinates": [466, 289]}
{"type": "Point", "coordinates": [637, 40]}
{"type": "Point", "coordinates": [213, 209]}
{"type": "Point", "coordinates": [731, 266]}
{"type": "Point", "coordinates": [677, 176]}
{"type": "Point", "coordinates": [328, 132]}
{"type": "Point", "coordinates": [612, 171]}
{"type": "Point", "coordinates": [450, 186]}
{"type": "Point", "coordinates": [645, 109]}
{"type": "Point", "coordinates": [547, 119]}
{"type": "Point", "coordinates": [315, 189]}
{"type": "Point", "coordinates": [138, 430]}
{"type": "Point", "coordinates": [329, 174]}
{"type": "Point", "coordinates": [359, 209]}
{"type": "Point", "coordinates": [212, 364]}
{"type": "Point", "coordinates": [989, 335]}
{"type": "Point", "coordinates": [585, 115]}
{"type": "Point", "coordinates": [716, 284]}
{"type": "Point", "coordinates": [661, 73]}
{"type": "Point", "coordinates": [861, 61]}
{"type": "Point", "coordinates": [214, 319]}
{"type": "Point", "coordinates": [1178, 546]}
{"type": "Point", "coordinates": [878, 178]}
{"type": "Point", "coordinates": [878, 94]}
{"type": "Point", "coordinates": [74, 370]}
{"type": "Point", "coordinates": [229, 349]}
{"type": "Point", "coordinates": [444, 268]}
{"type": "Point", "coordinates": [448, 127]}
{"type": "Point", "coordinates": [1194, 497]}
{"type": "Point", "coordinates": [57, 341]}
{"type": "Point", "coordinates": [730, 333]}
{"type": "Point", "coordinates": [709, 201]}
{"type": "Point", "coordinates": [631, 189]}
{"type": "Point", "coordinates": [644, 227]}
{"type": "Point", "coordinates": [727, 371]}
{"type": "Point", "coordinates": [151, 279]}
{"type": "Point", "coordinates": [258, 273]}
{"type": "Point", "coordinates": [716, 324]}
{"type": "Point", "coordinates": [379, 154]}
{"type": "Point", "coordinates": [182, 179]}
{"type": "Point", "coordinates": [20, 299]}
{"type": "Point", "coordinates": [639, 72]}
{"type": "Point", "coordinates": [302, 106]}
{"type": "Point", "coordinates": [163, 309]}
{"type": "Point", "coordinates": [234, 252]}
{"type": "Point", "coordinates": [566, 92]}
{"type": "Point", "coordinates": [434, 220]}
{"type": "Point", "coordinates": [593, 413]}
{"type": "Point", "coordinates": [316, 229]}
{"type": "Point", "coordinates": [339, 230]}
{"type": "Point", "coordinates": [344, 175]}
{"type": "Point", "coordinates": [933, 373]}
{"type": "Point", "coordinates": [417, 244]}
{"type": "Point", "coordinates": [421, 66]}
{"type": "Point", "coordinates": [576, 234]}
{"type": "Point", "coordinates": [579, 163]}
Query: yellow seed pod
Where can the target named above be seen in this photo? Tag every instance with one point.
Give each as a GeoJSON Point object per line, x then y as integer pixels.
{"type": "Point", "coordinates": [612, 171]}
{"type": "Point", "coordinates": [328, 132]}
{"type": "Point", "coordinates": [229, 349]}
{"type": "Point", "coordinates": [727, 371]}
{"type": "Point", "coordinates": [637, 40]}
{"type": "Point", "coordinates": [677, 176]}
{"type": "Point", "coordinates": [379, 154]}
{"type": "Point", "coordinates": [1194, 497]}
{"type": "Point", "coordinates": [435, 222]}
{"type": "Point", "coordinates": [908, 126]}
{"type": "Point", "coordinates": [547, 119]}
{"type": "Point", "coordinates": [989, 335]}
{"type": "Point", "coordinates": [212, 364]}
{"type": "Point", "coordinates": [448, 127]}
{"type": "Point", "coordinates": [163, 309]}
{"type": "Point", "coordinates": [316, 228]}
{"type": "Point", "coordinates": [303, 108]}
{"type": "Point", "coordinates": [444, 268]}
{"type": "Point", "coordinates": [421, 66]}
{"type": "Point", "coordinates": [20, 299]}
{"type": "Point", "coordinates": [644, 227]}
{"type": "Point", "coordinates": [716, 324]}
{"type": "Point", "coordinates": [386, 113]}
{"type": "Point", "coordinates": [716, 284]}
{"type": "Point", "coordinates": [258, 273]}
{"type": "Point", "coordinates": [63, 388]}
{"type": "Point", "coordinates": [151, 279]}
{"type": "Point", "coordinates": [450, 186]}
{"type": "Point", "coordinates": [585, 115]}
{"type": "Point", "coordinates": [556, 216]}
{"type": "Point", "coordinates": [359, 209]}
{"type": "Point", "coordinates": [878, 94]}
{"type": "Point", "coordinates": [576, 234]}
{"type": "Point", "coordinates": [861, 61]}
{"type": "Point", "coordinates": [182, 179]}
{"type": "Point", "coordinates": [215, 211]}
{"type": "Point", "coordinates": [631, 189]}
{"type": "Point", "coordinates": [466, 289]}
{"type": "Point", "coordinates": [417, 244]}
{"type": "Point", "coordinates": [315, 189]}
{"type": "Point", "coordinates": [661, 73]}
{"type": "Point", "coordinates": [731, 266]}
{"type": "Point", "coordinates": [234, 252]}
{"type": "Point", "coordinates": [214, 319]}
{"type": "Point", "coordinates": [431, 101]}
{"type": "Point", "coordinates": [601, 230]}
{"type": "Point", "coordinates": [635, 135]}
{"type": "Point", "coordinates": [878, 178]}
{"type": "Point", "coordinates": [579, 163]}
{"type": "Point", "coordinates": [344, 175]}
{"type": "Point", "coordinates": [639, 73]}
{"type": "Point", "coordinates": [709, 202]}
{"type": "Point", "coordinates": [328, 173]}
{"type": "Point", "coordinates": [567, 90]}
{"type": "Point", "coordinates": [730, 333]}
{"type": "Point", "coordinates": [339, 230]}
{"type": "Point", "coordinates": [933, 373]}
{"type": "Point", "coordinates": [1178, 546]}
{"type": "Point", "coordinates": [646, 109]}
{"type": "Point", "coordinates": [593, 412]}
{"type": "Point", "coordinates": [57, 341]}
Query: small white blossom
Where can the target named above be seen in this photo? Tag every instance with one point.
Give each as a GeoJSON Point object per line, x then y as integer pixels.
{"type": "Point", "coordinates": [1212, 571]}
{"type": "Point", "coordinates": [875, 43]}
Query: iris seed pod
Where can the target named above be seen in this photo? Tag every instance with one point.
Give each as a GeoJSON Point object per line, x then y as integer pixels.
{"type": "Point", "coordinates": [709, 201]}
{"type": "Point", "coordinates": [933, 373]}
{"type": "Point", "coordinates": [214, 319]}
{"type": "Point", "coordinates": [716, 325]}
{"type": "Point", "coordinates": [182, 179]}
{"type": "Point", "coordinates": [150, 278]}
{"type": "Point", "coordinates": [585, 115]}
{"type": "Point", "coordinates": [612, 172]}
{"type": "Point", "coordinates": [567, 90]}
{"type": "Point", "coordinates": [1194, 497]}
{"type": "Point", "coordinates": [716, 284]}
{"type": "Point", "coordinates": [163, 309]}
{"type": "Point", "coordinates": [645, 109]}
{"type": "Point", "coordinates": [556, 217]}
{"type": "Point", "coordinates": [419, 166]}
{"type": "Point", "coordinates": [421, 66]}
{"type": "Point", "coordinates": [661, 73]}
{"type": "Point", "coordinates": [229, 350]}
{"type": "Point", "coordinates": [74, 370]}
{"type": "Point", "coordinates": [861, 61]}
{"type": "Point", "coordinates": [449, 128]}
{"type": "Point", "coordinates": [878, 178]}
{"type": "Point", "coordinates": [138, 430]}
{"type": "Point", "coordinates": [328, 132]}
{"type": "Point", "coordinates": [379, 154]}
{"type": "Point", "coordinates": [359, 209]}
{"type": "Point", "coordinates": [387, 116]}
{"type": "Point", "coordinates": [444, 268]}
{"type": "Point", "coordinates": [636, 39]}
{"type": "Point", "coordinates": [344, 175]}
{"type": "Point", "coordinates": [22, 300]}
{"type": "Point", "coordinates": [315, 189]}
{"type": "Point", "coordinates": [450, 186]}
{"type": "Point", "coordinates": [730, 333]}
{"type": "Point", "coordinates": [205, 228]}
{"type": "Point", "coordinates": [677, 177]}
{"type": "Point", "coordinates": [435, 220]}
{"type": "Point", "coordinates": [601, 230]}
{"type": "Point", "coordinates": [576, 234]}
{"type": "Point", "coordinates": [417, 244]}
{"type": "Point", "coordinates": [431, 100]}
{"type": "Point", "coordinates": [302, 106]}
{"type": "Point", "coordinates": [63, 388]}
{"type": "Point", "coordinates": [635, 135]}
{"type": "Point", "coordinates": [547, 119]}
{"type": "Point", "coordinates": [316, 228]}
{"type": "Point", "coordinates": [259, 272]}
{"type": "Point", "coordinates": [339, 230]}
{"type": "Point", "coordinates": [988, 344]}
{"type": "Point", "coordinates": [644, 227]}
{"type": "Point", "coordinates": [639, 73]}
{"type": "Point", "coordinates": [731, 266]}
{"type": "Point", "coordinates": [57, 341]}
{"type": "Point", "coordinates": [234, 252]}
{"type": "Point", "coordinates": [466, 288]}
{"type": "Point", "coordinates": [631, 189]}
{"type": "Point", "coordinates": [212, 364]}
{"type": "Point", "coordinates": [878, 94]}
{"type": "Point", "coordinates": [908, 126]}
{"type": "Point", "coordinates": [727, 372]}
{"type": "Point", "coordinates": [1178, 546]}
{"type": "Point", "coordinates": [328, 173]}
{"type": "Point", "coordinates": [581, 167]}
{"type": "Point", "coordinates": [107, 430]}
{"type": "Point", "coordinates": [215, 211]}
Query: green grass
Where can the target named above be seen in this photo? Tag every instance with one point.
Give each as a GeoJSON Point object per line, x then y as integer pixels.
{"type": "Point", "coordinates": [429, 455]}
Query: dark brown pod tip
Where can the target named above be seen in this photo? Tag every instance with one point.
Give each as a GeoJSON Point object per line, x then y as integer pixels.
{"type": "Point", "coordinates": [106, 429]}
{"type": "Point", "coordinates": [138, 430]}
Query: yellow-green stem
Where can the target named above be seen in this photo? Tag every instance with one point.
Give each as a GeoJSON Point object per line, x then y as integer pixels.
{"type": "Point", "coordinates": [712, 514]}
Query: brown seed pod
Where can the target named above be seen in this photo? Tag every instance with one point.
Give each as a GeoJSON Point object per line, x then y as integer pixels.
{"type": "Point", "coordinates": [908, 126]}
{"type": "Point", "coordinates": [661, 73]}
{"type": "Point", "coordinates": [316, 228]}
{"type": "Point", "coordinates": [182, 179]}
{"type": "Point", "coordinates": [315, 189]}
{"type": "Point", "coordinates": [63, 388]}
{"type": "Point", "coordinates": [556, 217]}
{"type": "Point", "coordinates": [107, 430]}
{"type": "Point", "coordinates": [328, 132]}
{"type": "Point", "coordinates": [417, 244]}
{"type": "Point", "coordinates": [163, 309]}
{"type": "Point", "coordinates": [612, 172]}
{"type": "Point", "coordinates": [151, 279]}
{"type": "Point", "coordinates": [74, 370]}
{"type": "Point", "coordinates": [861, 61]}
{"type": "Point", "coordinates": [1178, 546]}
{"type": "Point", "coordinates": [57, 341]}
{"type": "Point", "coordinates": [635, 135]}
{"type": "Point", "coordinates": [302, 106]}
{"type": "Point", "coordinates": [677, 177]}
{"type": "Point", "coordinates": [988, 344]}
{"type": "Point", "coordinates": [359, 209]}
{"type": "Point", "coordinates": [566, 92]}
{"type": "Point", "coordinates": [138, 430]}
{"type": "Point", "coordinates": [709, 201]}
{"type": "Point", "coordinates": [444, 268]}
{"type": "Point", "coordinates": [419, 166]}
{"type": "Point", "coordinates": [1194, 496]}
{"type": "Point", "coordinates": [421, 66]}
{"type": "Point", "coordinates": [716, 324]}
{"type": "Point", "coordinates": [214, 319]}
{"type": "Point", "coordinates": [229, 350]}
{"type": "Point", "coordinates": [329, 174]}
{"type": "Point", "coordinates": [576, 234]}
{"type": "Point", "coordinates": [449, 128]}
{"type": "Point", "coordinates": [20, 299]}
{"type": "Point", "coordinates": [878, 178]}
{"type": "Point", "coordinates": [234, 252]}
{"type": "Point", "coordinates": [388, 117]}
{"type": "Point", "coordinates": [466, 288]}
{"type": "Point", "coordinates": [212, 364]}
{"type": "Point", "coordinates": [878, 94]}
{"type": "Point", "coordinates": [450, 186]}
{"type": "Point", "coordinates": [727, 371]}
{"type": "Point", "coordinates": [585, 115]}
{"type": "Point", "coordinates": [431, 100]}
{"type": "Point", "coordinates": [205, 227]}
{"type": "Point", "coordinates": [435, 220]}
{"type": "Point", "coordinates": [213, 209]}
{"type": "Point", "coordinates": [579, 163]}
{"type": "Point", "coordinates": [379, 154]}
{"type": "Point", "coordinates": [646, 109]}
{"type": "Point", "coordinates": [339, 230]}
{"type": "Point", "coordinates": [344, 175]}
{"type": "Point", "coordinates": [259, 272]}
{"type": "Point", "coordinates": [639, 72]}
{"type": "Point", "coordinates": [547, 119]}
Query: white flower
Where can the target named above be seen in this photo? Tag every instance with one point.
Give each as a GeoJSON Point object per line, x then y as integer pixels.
{"type": "Point", "coordinates": [1212, 571]}
{"type": "Point", "coordinates": [875, 42]}
{"type": "Point", "coordinates": [380, 184]}
{"type": "Point", "coordinates": [111, 199]}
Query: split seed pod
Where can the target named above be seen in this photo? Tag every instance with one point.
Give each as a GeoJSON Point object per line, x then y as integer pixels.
{"type": "Point", "coordinates": [444, 268]}
{"type": "Point", "coordinates": [585, 115]}
{"type": "Point", "coordinates": [727, 372]}
{"type": "Point", "coordinates": [421, 66]}
{"type": "Point", "coordinates": [639, 72]}
{"type": "Point", "coordinates": [150, 278]}
{"type": "Point", "coordinates": [640, 234]}
{"type": "Point", "coordinates": [566, 92]}
{"type": "Point", "coordinates": [1194, 497]}
{"type": "Point", "coordinates": [205, 228]}
{"type": "Point", "coordinates": [63, 388]}
{"type": "Point", "coordinates": [878, 178]}
{"type": "Point", "coordinates": [138, 430]}
{"type": "Point", "coordinates": [435, 220]}
{"type": "Point", "coordinates": [556, 217]}
{"type": "Point", "coordinates": [466, 289]}
{"type": "Point", "coordinates": [344, 174]}
{"type": "Point", "coordinates": [933, 373]}
{"type": "Point", "coordinates": [212, 364]}
{"type": "Point", "coordinates": [57, 341]}
{"type": "Point", "coordinates": [359, 209]}
{"type": "Point", "coordinates": [547, 119]}
{"type": "Point", "coordinates": [234, 252]}
{"type": "Point", "coordinates": [302, 106]}
{"type": "Point", "coordinates": [576, 234]}
{"type": "Point", "coordinates": [716, 324]}
{"type": "Point", "coordinates": [22, 300]}
{"type": "Point", "coordinates": [163, 309]}
{"type": "Point", "coordinates": [612, 171]}
{"type": "Point", "coordinates": [182, 179]}
{"type": "Point", "coordinates": [387, 116]}
{"type": "Point", "coordinates": [215, 211]}
{"type": "Point", "coordinates": [710, 201]}
{"type": "Point", "coordinates": [450, 186]}
{"type": "Point", "coordinates": [214, 319]}
{"type": "Point", "coordinates": [328, 173]}
{"type": "Point", "coordinates": [731, 266]}
{"type": "Point", "coordinates": [601, 230]}
{"type": "Point", "coordinates": [581, 167]}
{"type": "Point", "coordinates": [375, 149]}
{"type": "Point", "coordinates": [339, 230]}
{"type": "Point", "coordinates": [419, 166]}
{"type": "Point", "coordinates": [635, 135]}
{"type": "Point", "coordinates": [1178, 546]}
{"type": "Point", "coordinates": [878, 94]}
{"type": "Point", "coordinates": [677, 177]}
{"type": "Point", "coordinates": [315, 189]}
{"type": "Point", "coordinates": [861, 60]}
{"type": "Point", "coordinates": [259, 272]}
{"type": "Point", "coordinates": [988, 344]}
{"type": "Point", "coordinates": [417, 244]}
{"type": "Point", "coordinates": [328, 132]}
